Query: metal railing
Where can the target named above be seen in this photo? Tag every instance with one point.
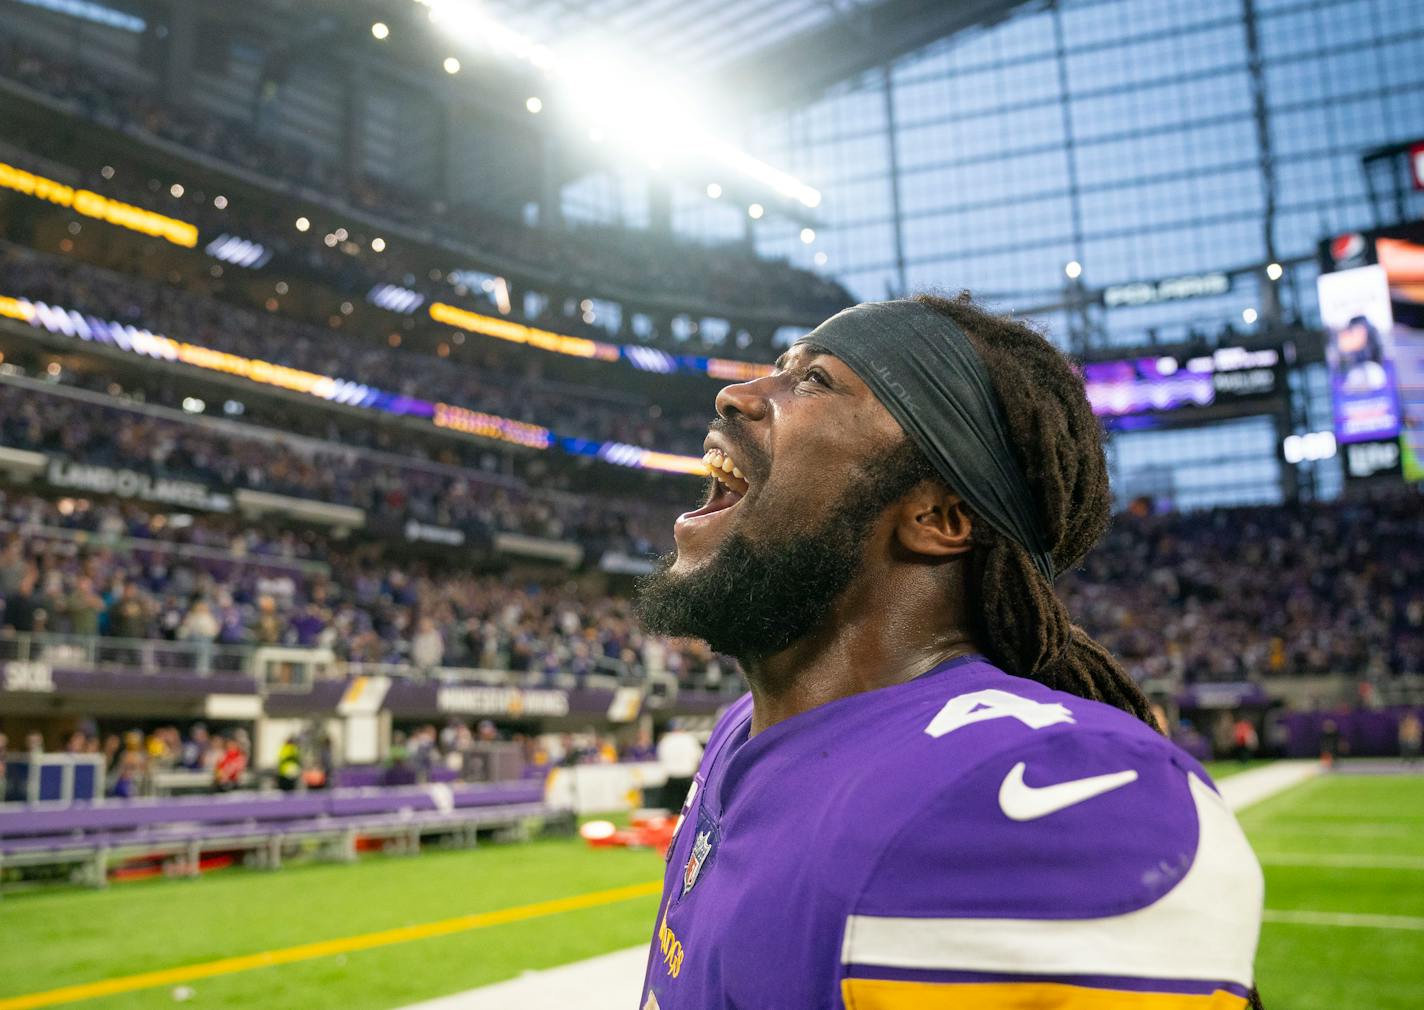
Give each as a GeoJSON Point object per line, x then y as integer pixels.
{"type": "Point", "coordinates": [144, 655]}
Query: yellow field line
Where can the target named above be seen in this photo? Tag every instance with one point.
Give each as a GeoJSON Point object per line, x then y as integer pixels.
{"type": "Point", "coordinates": [325, 948]}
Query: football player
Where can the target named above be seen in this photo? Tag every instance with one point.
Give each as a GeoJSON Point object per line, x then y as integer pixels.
{"type": "Point", "coordinates": [939, 792]}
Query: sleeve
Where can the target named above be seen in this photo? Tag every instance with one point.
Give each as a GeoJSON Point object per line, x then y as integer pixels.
{"type": "Point", "coordinates": [1085, 872]}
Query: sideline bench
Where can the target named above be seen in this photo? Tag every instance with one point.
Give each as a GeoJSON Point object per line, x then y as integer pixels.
{"type": "Point", "coordinates": [260, 824]}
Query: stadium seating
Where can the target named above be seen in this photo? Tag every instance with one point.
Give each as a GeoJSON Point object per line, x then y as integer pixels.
{"type": "Point", "coordinates": [717, 278]}
{"type": "Point", "coordinates": [591, 413]}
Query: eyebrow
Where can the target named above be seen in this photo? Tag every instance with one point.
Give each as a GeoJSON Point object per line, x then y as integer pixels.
{"type": "Point", "coordinates": [812, 350]}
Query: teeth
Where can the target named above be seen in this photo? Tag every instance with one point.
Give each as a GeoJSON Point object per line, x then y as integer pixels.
{"type": "Point", "coordinates": [721, 464]}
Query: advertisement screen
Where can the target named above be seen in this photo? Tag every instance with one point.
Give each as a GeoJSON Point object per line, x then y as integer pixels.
{"type": "Point", "coordinates": [1123, 389]}
{"type": "Point", "coordinates": [1359, 324]}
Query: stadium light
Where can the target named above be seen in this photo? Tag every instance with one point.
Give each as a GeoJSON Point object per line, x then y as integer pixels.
{"type": "Point", "coordinates": [534, 104]}
{"type": "Point", "coordinates": [808, 235]}
{"type": "Point", "coordinates": [1275, 271]}
{"type": "Point", "coordinates": [220, 202]}
{"type": "Point", "coordinates": [107, 171]}
{"type": "Point", "coordinates": [176, 190]}
{"type": "Point", "coordinates": [378, 244]}
{"type": "Point", "coordinates": [1248, 316]}
{"type": "Point", "coordinates": [381, 30]}
{"type": "Point", "coordinates": [755, 211]}
{"type": "Point", "coordinates": [86, 10]}
{"type": "Point", "coordinates": [452, 65]}
{"type": "Point", "coordinates": [820, 259]}
{"type": "Point", "coordinates": [303, 224]}
{"type": "Point", "coordinates": [643, 113]}
{"type": "Point", "coordinates": [714, 190]}
{"type": "Point", "coordinates": [1073, 269]}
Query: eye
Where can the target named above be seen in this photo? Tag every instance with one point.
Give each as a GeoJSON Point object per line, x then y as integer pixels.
{"type": "Point", "coordinates": [816, 375]}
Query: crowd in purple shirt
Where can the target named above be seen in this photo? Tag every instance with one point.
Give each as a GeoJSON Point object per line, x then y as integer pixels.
{"type": "Point", "coordinates": [128, 577]}
{"type": "Point", "coordinates": [1230, 595]}
{"type": "Point", "coordinates": [1240, 594]}
{"type": "Point", "coordinates": [484, 378]}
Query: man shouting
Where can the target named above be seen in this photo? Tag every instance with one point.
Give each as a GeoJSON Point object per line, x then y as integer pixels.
{"type": "Point", "coordinates": [940, 792]}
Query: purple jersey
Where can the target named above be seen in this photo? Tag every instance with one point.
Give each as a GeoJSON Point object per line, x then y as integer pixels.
{"type": "Point", "coordinates": [966, 839]}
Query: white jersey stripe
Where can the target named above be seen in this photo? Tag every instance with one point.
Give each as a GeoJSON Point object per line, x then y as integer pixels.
{"type": "Point", "coordinates": [1205, 928]}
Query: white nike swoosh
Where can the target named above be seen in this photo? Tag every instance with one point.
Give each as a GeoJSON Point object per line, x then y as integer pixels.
{"type": "Point", "coordinates": [1021, 802]}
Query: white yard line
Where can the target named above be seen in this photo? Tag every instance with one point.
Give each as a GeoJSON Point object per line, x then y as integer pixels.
{"type": "Point", "coordinates": [606, 982]}
{"type": "Point", "coordinates": [613, 981]}
{"type": "Point", "coordinates": [1345, 861]}
{"type": "Point", "coordinates": [1304, 918]}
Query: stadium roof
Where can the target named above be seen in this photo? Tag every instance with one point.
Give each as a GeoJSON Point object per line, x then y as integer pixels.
{"type": "Point", "coordinates": [772, 53]}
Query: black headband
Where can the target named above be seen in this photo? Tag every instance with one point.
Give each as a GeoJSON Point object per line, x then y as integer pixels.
{"type": "Point", "coordinates": [922, 367]}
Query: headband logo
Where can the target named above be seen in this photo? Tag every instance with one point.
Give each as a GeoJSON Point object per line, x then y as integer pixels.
{"type": "Point", "coordinates": [893, 384]}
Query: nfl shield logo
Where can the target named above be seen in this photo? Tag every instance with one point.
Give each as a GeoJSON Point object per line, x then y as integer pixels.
{"type": "Point", "coordinates": [701, 846]}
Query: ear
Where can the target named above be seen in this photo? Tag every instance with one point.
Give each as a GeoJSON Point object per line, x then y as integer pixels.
{"type": "Point", "coordinates": [933, 522]}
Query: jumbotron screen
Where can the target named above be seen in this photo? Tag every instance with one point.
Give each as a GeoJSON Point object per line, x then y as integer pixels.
{"type": "Point", "coordinates": [1133, 388]}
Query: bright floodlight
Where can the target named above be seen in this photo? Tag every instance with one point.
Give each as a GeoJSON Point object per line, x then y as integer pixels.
{"type": "Point", "coordinates": [820, 259]}
{"type": "Point", "coordinates": [380, 30]}
{"type": "Point", "coordinates": [1274, 271]}
{"type": "Point", "coordinates": [452, 65]}
{"type": "Point", "coordinates": [1248, 316]}
{"type": "Point", "coordinates": [378, 244]}
{"type": "Point", "coordinates": [533, 104]}
{"type": "Point", "coordinates": [176, 189]}
{"type": "Point", "coordinates": [755, 211]}
{"type": "Point", "coordinates": [220, 202]}
{"type": "Point", "coordinates": [714, 190]}
{"type": "Point", "coordinates": [1073, 269]}
{"type": "Point", "coordinates": [641, 113]}
{"type": "Point", "coordinates": [303, 224]}
{"type": "Point", "coordinates": [808, 235]}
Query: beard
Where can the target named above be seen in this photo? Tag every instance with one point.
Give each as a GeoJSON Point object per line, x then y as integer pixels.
{"type": "Point", "coordinates": [754, 598]}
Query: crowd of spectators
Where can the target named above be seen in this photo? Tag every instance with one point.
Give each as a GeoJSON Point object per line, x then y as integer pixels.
{"type": "Point", "coordinates": [1224, 596]}
{"type": "Point", "coordinates": [365, 605]}
{"type": "Point", "coordinates": [1241, 594]}
{"type": "Point", "coordinates": [584, 411]}
{"type": "Point", "coordinates": [134, 757]}
{"type": "Point", "coordinates": [390, 492]}
{"type": "Point", "coordinates": [581, 259]}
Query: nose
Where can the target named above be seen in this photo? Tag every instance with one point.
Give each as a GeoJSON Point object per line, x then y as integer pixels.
{"type": "Point", "coordinates": [745, 398]}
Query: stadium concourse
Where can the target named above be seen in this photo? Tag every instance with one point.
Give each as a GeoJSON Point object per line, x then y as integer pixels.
{"type": "Point", "coordinates": [356, 359]}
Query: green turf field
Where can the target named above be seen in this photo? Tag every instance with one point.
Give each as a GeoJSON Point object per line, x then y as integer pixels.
{"type": "Point", "coordinates": [1342, 845]}
{"type": "Point", "coordinates": [1351, 845]}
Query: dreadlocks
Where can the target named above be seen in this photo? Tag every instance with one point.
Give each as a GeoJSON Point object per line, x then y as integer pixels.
{"type": "Point", "coordinates": [1019, 620]}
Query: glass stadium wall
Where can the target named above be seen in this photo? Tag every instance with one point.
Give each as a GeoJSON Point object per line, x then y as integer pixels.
{"type": "Point", "coordinates": [1140, 138]}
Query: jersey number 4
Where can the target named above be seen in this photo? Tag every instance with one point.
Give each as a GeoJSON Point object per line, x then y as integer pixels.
{"type": "Point", "coordinates": [980, 706]}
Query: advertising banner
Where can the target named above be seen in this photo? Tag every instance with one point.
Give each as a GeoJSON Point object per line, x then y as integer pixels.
{"type": "Point", "coordinates": [98, 479]}
{"type": "Point", "coordinates": [1359, 325]}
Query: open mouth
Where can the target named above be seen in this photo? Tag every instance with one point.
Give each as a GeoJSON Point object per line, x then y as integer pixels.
{"type": "Point", "coordinates": [729, 486]}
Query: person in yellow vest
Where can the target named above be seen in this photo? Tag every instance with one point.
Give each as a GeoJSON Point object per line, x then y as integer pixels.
{"type": "Point", "coordinates": [289, 765]}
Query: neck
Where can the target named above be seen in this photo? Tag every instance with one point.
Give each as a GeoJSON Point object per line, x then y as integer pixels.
{"type": "Point", "coordinates": [881, 632]}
